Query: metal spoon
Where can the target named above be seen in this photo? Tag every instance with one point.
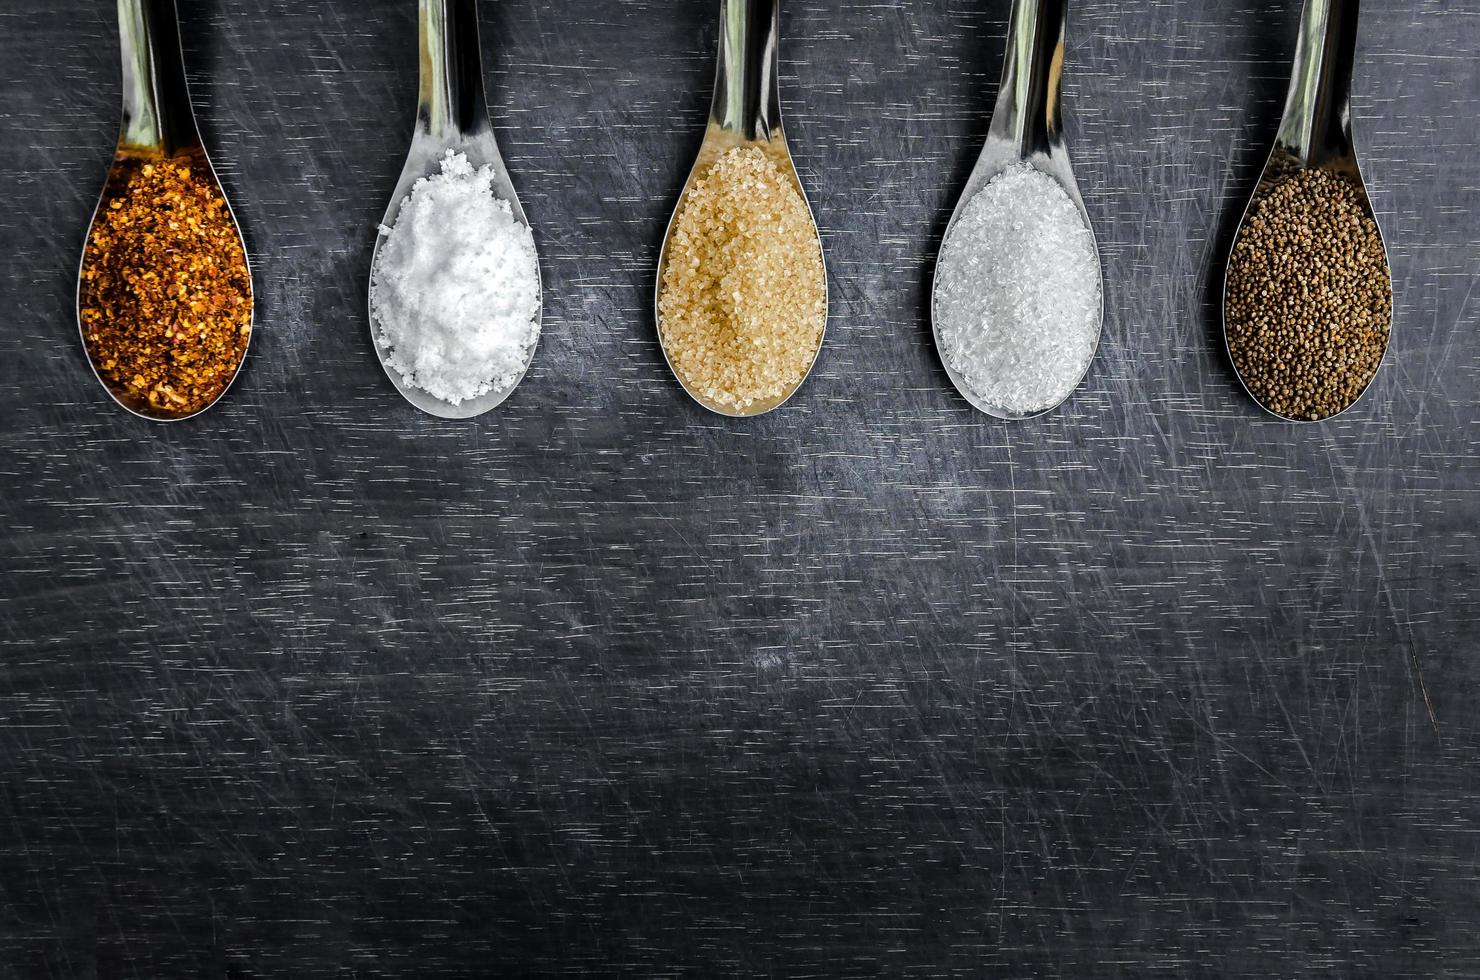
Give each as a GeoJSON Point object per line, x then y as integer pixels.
{"type": "Point", "coordinates": [1315, 134]}
{"type": "Point", "coordinates": [1026, 128]}
{"type": "Point", "coordinates": [745, 111]}
{"type": "Point", "coordinates": [158, 123]}
{"type": "Point", "coordinates": [451, 114]}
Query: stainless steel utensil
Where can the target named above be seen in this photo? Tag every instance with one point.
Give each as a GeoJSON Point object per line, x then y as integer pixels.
{"type": "Point", "coordinates": [158, 123]}
{"type": "Point", "coordinates": [745, 110]}
{"type": "Point", "coordinates": [1315, 132]}
{"type": "Point", "coordinates": [451, 114]}
{"type": "Point", "coordinates": [1025, 128]}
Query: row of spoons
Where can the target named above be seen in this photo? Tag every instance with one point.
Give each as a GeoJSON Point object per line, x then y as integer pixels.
{"type": "Point", "coordinates": [452, 114]}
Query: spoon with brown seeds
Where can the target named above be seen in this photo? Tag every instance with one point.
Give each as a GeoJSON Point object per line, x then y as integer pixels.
{"type": "Point", "coordinates": [1307, 300]}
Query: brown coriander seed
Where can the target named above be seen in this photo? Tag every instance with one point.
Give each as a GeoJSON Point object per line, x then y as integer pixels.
{"type": "Point", "coordinates": [1308, 307]}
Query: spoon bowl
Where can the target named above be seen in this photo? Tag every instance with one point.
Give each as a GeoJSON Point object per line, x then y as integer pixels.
{"type": "Point", "coordinates": [452, 115]}
{"type": "Point", "coordinates": [745, 111]}
{"type": "Point", "coordinates": [1315, 134]}
{"type": "Point", "coordinates": [158, 124]}
{"type": "Point", "coordinates": [1026, 128]}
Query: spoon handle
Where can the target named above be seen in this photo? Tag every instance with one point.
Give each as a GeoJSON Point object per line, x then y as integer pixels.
{"type": "Point", "coordinates": [156, 98]}
{"type": "Point", "coordinates": [1317, 124]}
{"type": "Point", "coordinates": [452, 102]}
{"type": "Point", "coordinates": [1027, 112]}
{"type": "Point", "coordinates": [746, 102]}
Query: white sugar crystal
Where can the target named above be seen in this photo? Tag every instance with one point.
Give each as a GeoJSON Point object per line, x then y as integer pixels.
{"type": "Point", "coordinates": [1017, 293]}
{"type": "Point", "coordinates": [455, 290]}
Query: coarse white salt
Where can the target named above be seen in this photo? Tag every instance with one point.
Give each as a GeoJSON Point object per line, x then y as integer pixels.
{"type": "Point", "coordinates": [1017, 293]}
{"type": "Point", "coordinates": [455, 292]}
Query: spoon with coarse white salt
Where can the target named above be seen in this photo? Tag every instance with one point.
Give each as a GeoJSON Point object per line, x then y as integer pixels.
{"type": "Point", "coordinates": [1018, 297]}
{"type": "Point", "coordinates": [455, 293]}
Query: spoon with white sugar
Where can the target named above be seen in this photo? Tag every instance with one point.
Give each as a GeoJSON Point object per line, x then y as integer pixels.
{"type": "Point", "coordinates": [1025, 140]}
{"type": "Point", "coordinates": [451, 116]}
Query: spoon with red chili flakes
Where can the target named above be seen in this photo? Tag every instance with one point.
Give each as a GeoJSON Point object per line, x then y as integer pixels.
{"type": "Point", "coordinates": [164, 295]}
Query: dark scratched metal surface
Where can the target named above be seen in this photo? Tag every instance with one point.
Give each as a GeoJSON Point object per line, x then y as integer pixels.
{"type": "Point", "coordinates": [872, 685]}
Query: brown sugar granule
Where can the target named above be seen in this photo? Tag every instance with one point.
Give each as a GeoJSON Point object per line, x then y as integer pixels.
{"type": "Point", "coordinates": [1309, 306]}
{"type": "Point", "coordinates": [744, 295]}
{"type": "Point", "coordinates": [166, 297]}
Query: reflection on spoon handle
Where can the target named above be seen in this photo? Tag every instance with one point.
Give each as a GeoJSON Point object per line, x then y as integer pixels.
{"type": "Point", "coordinates": [746, 102]}
{"type": "Point", "coordinates": [1317, 122]}
{"type": "Point", "coordinates": [452, 102]}
{"type": "Point", "coordinates": [156, 99]}
{"type": "Point", "coordinates": [1027, 112]}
